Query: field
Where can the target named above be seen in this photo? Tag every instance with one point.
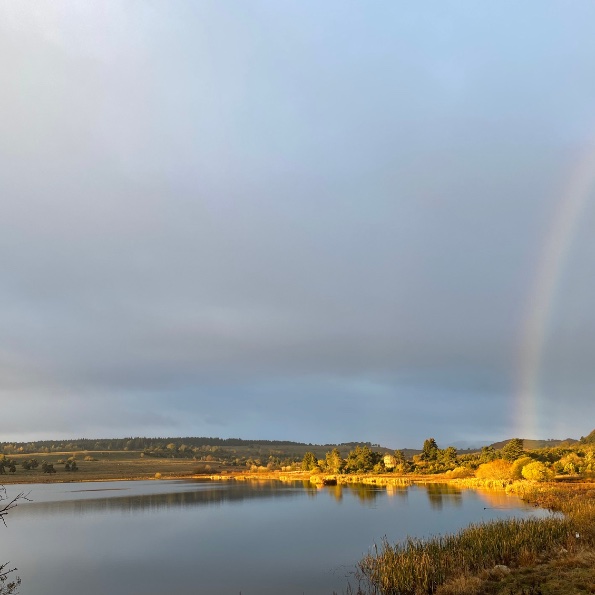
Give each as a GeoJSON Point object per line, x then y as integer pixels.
{"type": "Point", "coordinates": [108, 465]}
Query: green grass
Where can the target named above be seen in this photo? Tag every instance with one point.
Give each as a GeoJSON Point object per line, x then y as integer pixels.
{"type": "Point", "coordinates": [109, 465]}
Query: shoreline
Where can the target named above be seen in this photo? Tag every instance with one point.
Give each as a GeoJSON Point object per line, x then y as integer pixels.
{"type": "Point", "coordinates": [560, 556]}
{"type": "Point", "coordinates": [321, 479]}
{"type": "Point", "coordinates": [380, 480]}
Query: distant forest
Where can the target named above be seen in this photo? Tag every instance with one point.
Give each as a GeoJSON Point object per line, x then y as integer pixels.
{"type": "Point", "coordinates": [151, 444]}
{"type": "Point", "coordinates": [502, 461]}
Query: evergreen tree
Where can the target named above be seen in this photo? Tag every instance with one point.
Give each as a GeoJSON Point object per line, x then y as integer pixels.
{"type": "Point", "coordinates": [513, 449]}
{"type": "Point", "coordinates": [429, 450]}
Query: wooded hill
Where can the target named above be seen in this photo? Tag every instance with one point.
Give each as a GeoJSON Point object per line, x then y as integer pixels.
{"type": "Point", "coordinates": [229, 449]}
{"type": "Point", "coordinates": [189, 446]}
{"type": "Point", "coordinates": [535, 444]}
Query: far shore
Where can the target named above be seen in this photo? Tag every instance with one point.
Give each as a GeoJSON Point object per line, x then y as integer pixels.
{"type": "Point", "coordinates": [563, 557]}
{"type": "Point", "coordinates": [387, 479]}
{"type": "Point", "coordinates": [320, 479]}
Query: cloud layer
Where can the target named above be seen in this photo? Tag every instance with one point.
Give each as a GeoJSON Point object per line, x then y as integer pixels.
{"type": "Point", "coordinates": [290, 221]}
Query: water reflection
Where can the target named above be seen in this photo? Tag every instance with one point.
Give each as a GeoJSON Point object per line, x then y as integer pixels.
{"type": "Point", "coordinates": [153, 496]}
{"type": "Point", "coordinates": [365, 493]}
{"type": "Point", "coordinates": [133, 497]}
{"type": "Point", "coordinates": [82, 502]}
{"type": "Point", "coordinates": [401, 492]}
{"type": "Point", "coordinates": [336, 492]}
{"type": "Point", "coordinates": [235, 536]}
{"type": "Point", "coordinates": [496, 499]}
{"type": "Point", "coordinates": [440, 494]}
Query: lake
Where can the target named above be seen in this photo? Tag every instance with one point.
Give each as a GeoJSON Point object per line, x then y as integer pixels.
{"type": "Point", "coordinates": [253, 538]}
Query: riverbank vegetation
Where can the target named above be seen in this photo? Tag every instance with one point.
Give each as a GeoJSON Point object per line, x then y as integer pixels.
{"type": "Point", "coordinates": [138, 458]}
{"type": "Point", "coordinates": [504, 557]}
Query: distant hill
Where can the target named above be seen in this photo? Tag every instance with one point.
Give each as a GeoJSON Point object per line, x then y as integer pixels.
{"type": "Point", "coordinates": [535, 444]}
{"type": "Point", "coordinates": [470, 445]}
{"type": "Point", "coordinates": [191, 445]}
{"type": "Point", "coordinates": [187, 446]}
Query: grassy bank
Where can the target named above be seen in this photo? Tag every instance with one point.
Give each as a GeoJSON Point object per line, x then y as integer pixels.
{"type": "Point", "coordinates": [503, 557]}
{"type": "Point", "coordinates": [107, 466]}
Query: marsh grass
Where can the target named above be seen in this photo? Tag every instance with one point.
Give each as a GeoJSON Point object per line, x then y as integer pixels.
{"type": "Point", "coordinates": [417, 566]}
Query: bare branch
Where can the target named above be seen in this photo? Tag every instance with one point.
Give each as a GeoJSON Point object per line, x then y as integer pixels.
{"type": "Point", "coordinates": [8, 587]}
{"type": "Point", "coordinates": [12, 503]}
{"type": "Point", "coordinates": [9, 584]}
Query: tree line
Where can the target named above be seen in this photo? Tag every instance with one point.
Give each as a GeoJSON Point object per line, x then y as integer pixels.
{"type": "Point", "coordinates": [510, 462]}
{"type": "Point", "coordinates": [133, 443]}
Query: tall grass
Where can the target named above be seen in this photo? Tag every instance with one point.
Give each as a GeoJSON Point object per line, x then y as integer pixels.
{"type": "Point", "coordinates": [420, 566]}
{"type": "Point", "coordinates": [417, 566]}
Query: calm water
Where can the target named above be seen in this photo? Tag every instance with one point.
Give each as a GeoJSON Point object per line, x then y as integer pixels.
{"type": "Point", "coordinates": [189, 537]}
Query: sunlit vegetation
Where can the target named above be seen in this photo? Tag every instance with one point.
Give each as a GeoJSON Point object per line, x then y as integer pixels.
{"type": "Point", "coordinates": [503, 465]}
{"type": "Point", "coordinates": [460, 563]}
{"type": "Point", "coordinates": [468, 561]}
{"type": "Point", "coordinates": [496, 469]}
{"type": "Point", "coordinates": [491, 465]}
{"type": "Point", "coordinates": [418, 566]}
{"type": "Point", "coordinates": [216, 453]}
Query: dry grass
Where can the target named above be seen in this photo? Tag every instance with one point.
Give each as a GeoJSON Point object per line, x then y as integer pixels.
{"type": "Point", "coordinates": [567, 573]}
{"type": "Point", "coordinates": [545, 555]}
{"type": "Point", "coordinates": [462, 585]}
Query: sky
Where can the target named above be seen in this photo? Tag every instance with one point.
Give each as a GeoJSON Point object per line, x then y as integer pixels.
{"type": "Point", "coordinates": [321, 222]}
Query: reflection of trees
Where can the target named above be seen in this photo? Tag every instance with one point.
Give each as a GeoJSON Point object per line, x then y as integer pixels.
{"type": "Point", "coordinates": [203, 495]}
{"type": "Point", "coordinates": [365, 493]}
{"type": "Point", "coordinates": [309, 488]}
{"type": "Point", "coordinates": [398, 491]}
{"type": "Point", "coordinates": [440, 494]}
{"type": "Point", "coordinates": [498, 499]}
{"type": "Point", "coordinates": [336, 491]}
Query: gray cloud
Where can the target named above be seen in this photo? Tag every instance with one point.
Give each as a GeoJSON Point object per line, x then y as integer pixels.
{"type": "Point", "coordinates": [288, 222]}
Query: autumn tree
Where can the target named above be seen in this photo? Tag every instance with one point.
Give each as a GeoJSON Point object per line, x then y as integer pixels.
{"type": "Point", "coordinates": [488, 453]}
{"type": "Point", "coordinates": [497, 469]}
{"type": "Point", "coordinates": [448, 457]}
{"type": "Point", "coordinates": [516, 471]}
{"type": "Point", "coordinates": [537, 471]}
{"type": "Point", "coordinates": [390, 462]}
{"type": "Point", "coordinates": [362, 459]}
{"type": "Point", "coordinates": [399, 456]}
{"type": "Point", "coordinates": [309, 461]}
{"type": "Point", "coordinates": [334, 461]}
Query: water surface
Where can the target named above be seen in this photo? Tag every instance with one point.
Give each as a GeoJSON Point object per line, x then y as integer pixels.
{"type": "Point", "coordinates": [253, 538]}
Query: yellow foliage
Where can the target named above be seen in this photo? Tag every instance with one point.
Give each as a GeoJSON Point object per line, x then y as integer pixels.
{"type": "Point", "coordinates": [459, 473]}
{"type": "Point", "coordinates": [498, 469]}
{"type": "Point", "coordinates": [537, 472]}
{"type": "Point", "coordinates": [516, 470]}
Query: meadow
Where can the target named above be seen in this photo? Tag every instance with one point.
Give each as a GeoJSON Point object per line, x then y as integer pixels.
{"type": "Point", "coordinates": [106, 466]}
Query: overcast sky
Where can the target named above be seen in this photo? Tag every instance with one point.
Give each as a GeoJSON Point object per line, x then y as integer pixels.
{"type": "Point", "coordinates": [321, 222]}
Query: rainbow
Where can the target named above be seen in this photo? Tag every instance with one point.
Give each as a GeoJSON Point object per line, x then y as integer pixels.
{"type": "Point", "coordinates": [542, 297]}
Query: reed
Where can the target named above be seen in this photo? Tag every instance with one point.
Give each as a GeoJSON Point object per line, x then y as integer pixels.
{"type": "Point", "coordinates": [417, 566]}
